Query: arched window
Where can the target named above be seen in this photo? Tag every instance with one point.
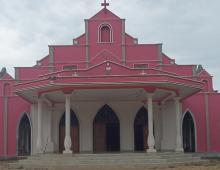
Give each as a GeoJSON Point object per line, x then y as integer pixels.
{"type": "Point", "coordinates": [24, 136]}
{"type": "Point", "coordinates": [188, 130]}
{"type": "Point", "coordinates": [105, 33]}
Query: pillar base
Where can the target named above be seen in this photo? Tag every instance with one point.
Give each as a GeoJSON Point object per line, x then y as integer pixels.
{"type": "Point", "coordinates": [40, 152]}
{"type": "Point", "coordinates": [50, 147]}
{"type": "Point", "coordinates": [67, 152]}
{"type": "Point", "coordinates": [152, 150]}
{"type": "Point", "coordinates": [179, 150]}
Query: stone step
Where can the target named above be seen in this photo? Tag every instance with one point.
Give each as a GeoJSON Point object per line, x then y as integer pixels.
{"type": "Point", "coordinates": [83, 156]}
{"type": "Point", "coordinates": [113, 159]}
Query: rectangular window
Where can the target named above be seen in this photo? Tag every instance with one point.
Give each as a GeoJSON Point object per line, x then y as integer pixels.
{"type": "Point", "coordinates": [140, 66]}
{"type": "Point", "coordinates": [71, 67]}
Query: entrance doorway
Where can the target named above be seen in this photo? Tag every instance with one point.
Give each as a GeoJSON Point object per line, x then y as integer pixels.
{"type": "Point", "coordinates": [141, 130]}
{"type": "Point", "coordinates": [74, 132]}
{"type": "Point", "coordinates": [188, 133]}
{"type": "Point", "coordinates": [106, 131]}
{"type": "Point", "coordinates": [24, 136]}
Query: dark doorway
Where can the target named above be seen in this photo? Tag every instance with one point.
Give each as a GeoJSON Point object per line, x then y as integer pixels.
{"type": "Point", "coordinates": [106, 131]}
{"type": "Point", "coordinates": [188, 133]}
{"type": "Point", "coordinates": [141, 130]}
{"type": "Point", "coordinates": [24, 137]}
{"type": "Point", "coordinates": [74, 132]}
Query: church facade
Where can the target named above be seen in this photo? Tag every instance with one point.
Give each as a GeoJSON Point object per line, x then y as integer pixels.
{"type": "Point", "coordinates": [108, 93]}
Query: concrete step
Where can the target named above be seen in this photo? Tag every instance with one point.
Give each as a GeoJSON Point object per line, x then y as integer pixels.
{"type": "Point", "coordinates": [103, 160]}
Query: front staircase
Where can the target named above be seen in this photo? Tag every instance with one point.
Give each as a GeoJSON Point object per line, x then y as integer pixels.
{"type": "Point", "coordinates": [107, 161]}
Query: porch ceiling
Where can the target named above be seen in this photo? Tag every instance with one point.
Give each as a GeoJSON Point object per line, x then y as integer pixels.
{"type": "Point", "coordinates": [107, 95]}
{"type": "Point", "coordinates": [56, 95]}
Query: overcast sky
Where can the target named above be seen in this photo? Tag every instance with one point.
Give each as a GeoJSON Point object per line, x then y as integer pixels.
{"type": "Point", "coordinates": [189, 29]}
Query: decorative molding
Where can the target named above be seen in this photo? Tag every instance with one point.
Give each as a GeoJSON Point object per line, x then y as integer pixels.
{"type": "Point", "coordinates": [5, 131]}
{"type": "Point", "coordinates": [87, 42]}
{"type": "Point", "coordinates": [207, 122]}
{"type": "Point", "coordinates": [123, 50]}
{"type": "Point", "coordinates": [51, 59]}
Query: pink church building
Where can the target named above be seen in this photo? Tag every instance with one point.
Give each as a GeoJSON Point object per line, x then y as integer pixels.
{"type": "Point", "coordinates": [107, 93]}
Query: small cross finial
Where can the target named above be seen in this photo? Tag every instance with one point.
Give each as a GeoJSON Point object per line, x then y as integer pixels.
{"type": "Point", "coordinates": [105, 4]}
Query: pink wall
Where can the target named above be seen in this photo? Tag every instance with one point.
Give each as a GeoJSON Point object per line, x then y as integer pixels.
{"type": "Point", "coordinates": [214, 118]}
{"type": "Point", "coordinates": [81, 39]}
{"type": "Point", "coordinates": [28, 73]}
{"type": "Point", "coordinates": [14, 114]}
{"type": "Point", "coordinates": [96, 47]}
{"type": "Point", "coordinates": [207, 79]}
{"type": "Point", "coordinates": [137, 53]}
{"type": "Point", "coordinates": [44, 61]}
{"type": "Point", "coordinates": [69, 55]}
{"type": "Point", "coordinates": [196, 105]}
{"type": "Point", "coordinates": [129, 40]}
{"type": "Point", "coordinates": [183, 70]}
{"type": "Point", "coordinates": [166, 59]}
{"type": "Point", "coordinates": [1, 127]}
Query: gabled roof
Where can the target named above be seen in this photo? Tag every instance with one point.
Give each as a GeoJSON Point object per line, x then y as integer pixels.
{"type": "Point", "coordinates": [7, 77]}
{"type": "Point", "coordinates": [204, 73]}
{"type": "Point", "coordinates": [104, 14]}
{"type": "Point", "coordinates": [4, 75]}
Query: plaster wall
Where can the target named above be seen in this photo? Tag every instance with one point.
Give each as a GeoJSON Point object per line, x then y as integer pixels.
{"type": "Point", "coordinates": [1, 126]}
{"type": "Point", "coordinates": [196, 106]}
{"type": "Point", "coordinates": [45, 126]}
{"type": "Point", "coordinates": [214, 112]}
{"type": "Point", "coordinates": [168, 126]}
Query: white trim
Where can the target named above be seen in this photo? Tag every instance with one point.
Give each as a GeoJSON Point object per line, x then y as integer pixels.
{"type": "Point", "coordinates": [110, 29]}
{"type": "Point", "coordinates": [17, 131]}
{"type": "Point", "coordinates": [194, 122]}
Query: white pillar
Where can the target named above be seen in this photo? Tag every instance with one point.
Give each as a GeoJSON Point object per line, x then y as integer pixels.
{"type": "Point", "coordinates": [39, 126]}
{"type": "Point", "coordinates": [179, 143]}
{"type": "Point", "coordinates": [161, 125]}
{"type": "Point", "coordinates": [150, 139]}
{"type": "Point", "coordinates": [67, 140]}
{"type": "Point", "coordinates": [50, 146]}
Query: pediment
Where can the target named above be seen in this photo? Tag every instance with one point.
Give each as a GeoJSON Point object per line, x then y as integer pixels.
{"type": "Point", "coordinates": [104, 14]}
{"type": "Point", "coordinates": [104, 55]}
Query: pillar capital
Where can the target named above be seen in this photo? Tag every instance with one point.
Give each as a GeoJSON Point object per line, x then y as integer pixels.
{"type": "Point", "coordinates": [68, 95]}
{"type": "Point", "coordinates": [40, 98]}
{"type": "Point", "coordinates": [150, 95]}
{"type": "Point", "coordinates": [162, 103]}
{"type": "Point", "coordinates": [149, 89]}
{"type": "Point", "coordinates": [177, 98]}
{"type": "Point", "coordinates": [67, 91]}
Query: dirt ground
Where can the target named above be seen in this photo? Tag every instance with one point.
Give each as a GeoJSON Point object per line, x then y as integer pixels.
{"type": "Point", "coordinates": [213, 165]}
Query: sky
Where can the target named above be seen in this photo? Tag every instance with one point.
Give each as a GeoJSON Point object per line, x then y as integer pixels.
{"type": "Point", "coordinates": [189, 29]}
